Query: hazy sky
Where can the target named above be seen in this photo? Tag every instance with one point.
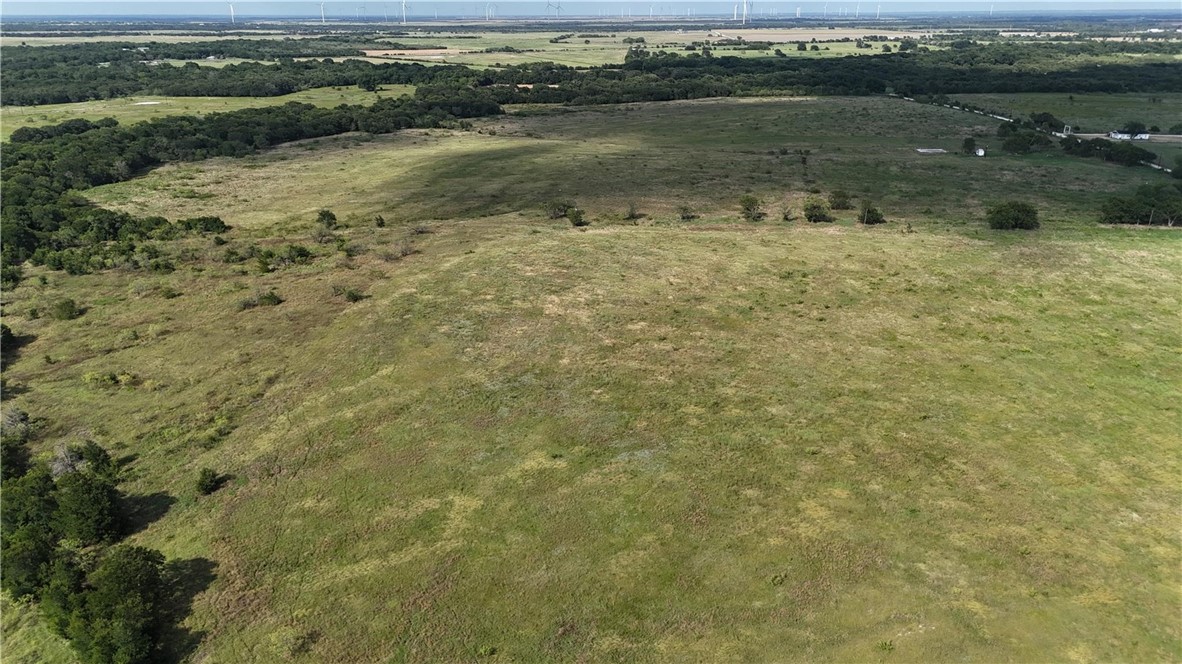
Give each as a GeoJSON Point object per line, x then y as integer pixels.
{"type": "Point", "coordinates": [376, 10]}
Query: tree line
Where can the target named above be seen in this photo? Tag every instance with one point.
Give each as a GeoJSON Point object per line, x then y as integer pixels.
{"type": "Point", "coordinates": [43, 218]}
{"type": "Point", "coordinates": [645, 76]}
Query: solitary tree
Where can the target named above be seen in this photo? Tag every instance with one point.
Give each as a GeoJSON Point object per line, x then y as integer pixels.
{"type": "Point", "coordinates": [327, 219]}
{"type": "Point", "coordinates": [969, 146]}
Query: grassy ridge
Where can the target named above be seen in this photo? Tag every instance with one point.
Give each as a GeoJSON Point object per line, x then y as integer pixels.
{"type": "Point", "coordinates": [674, 441]}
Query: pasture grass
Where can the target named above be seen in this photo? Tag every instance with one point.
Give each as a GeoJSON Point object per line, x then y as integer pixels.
{"type": "Point", "coordinates": [653, 441]}
{"type": "Point", "coordinates": [1092, 113]}
{"type": "Point", "coordinates": [130, 110]}
{"type": "Point", "coordinates": [705, 154]}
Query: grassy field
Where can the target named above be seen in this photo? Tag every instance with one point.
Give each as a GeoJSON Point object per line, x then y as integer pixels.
{"type": "Point", "coordinates": [653, 441]}
{"type": "Point", "coordinates": [1089, 113]}
{"type": "Point", "coordinates": [704, 154]}
{"type": "Point", "coordinates": [12, 38]}
{"type": "Point", "coordinates": [129, 110]}
{"type": "Point", "coordinates": [610, 47]}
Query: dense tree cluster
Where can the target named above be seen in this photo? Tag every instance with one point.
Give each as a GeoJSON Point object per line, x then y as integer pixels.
{"type": "Point", "coordinates": [59, 518]}
{"type": "Point", "coordinates": [45, 220]}
{"type": "Point", "coordinates": [61, 83]}
{"type": "Point", "coordinates": [1152, 204]}
{"type": "Point", "coordinates": [1121, 152]}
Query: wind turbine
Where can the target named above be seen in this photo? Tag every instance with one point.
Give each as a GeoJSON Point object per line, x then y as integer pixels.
{"type": "Point", "coordinates": [826, 10]}
{"type": "Point", "coordinates": [232, 21]}
{"type": "Point", "coordinates": [403, 12]}
{"type": "Point", "coordinates": [557, 5]}
{"type": "Point", "coordinates": [858, 10]}
{"type": "Point", "coordinates": [878, 14]}
{"type": "Point", "coordinates": [735, 15]}
{"type": "Point", "coordinates": [322, 14]}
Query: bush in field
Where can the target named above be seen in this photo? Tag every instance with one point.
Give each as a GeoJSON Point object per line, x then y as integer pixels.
{"type": "Point", "coordinates": [1012, 215]}
{"type": "Point", "coordinates": [816, 209]}
{"type": "Point", "coordinates": [268, 299]}
{"type": "Point", "coordinates": [686, 213]}
{"type": "Point", "coordinates": [751, 208]}
{"type": "Point", "coordinates": [65, 309]}
{"type": "Point", "coordinates": [326, 219]}
{"type": "Point", "coordinates": [839, 199]}
{"type": "Point", "coordinates": [208, 481]}
{"type": "Point", "coordinates": [577, 218]}
{"type": "Point", "coordinates": [869, 215]}
{"type": "Point", "coordinates": [558, 209]}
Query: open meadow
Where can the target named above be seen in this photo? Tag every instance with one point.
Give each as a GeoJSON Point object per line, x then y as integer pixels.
{"type": "Point", "coordinates": [673, 438]}
{"type": "Point", "coordinates": [1094, 113]}
{"type": "Point", "coordinates": [704, 154]}
{"type": "Point", "coordinates": [592, 47]}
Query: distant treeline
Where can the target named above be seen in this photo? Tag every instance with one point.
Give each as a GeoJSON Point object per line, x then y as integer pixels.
{"type": "Point", "coordinates": [61, 83]}
{"type": "Point", "coordinates": [94, 53]}
{"type": "Point", "coordinates": [645, 75]}
{"type": "Point", "coordinates": [44, 219]}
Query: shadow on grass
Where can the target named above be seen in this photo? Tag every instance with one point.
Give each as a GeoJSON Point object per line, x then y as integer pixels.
{"type": "Point", "coordinates": [143, 511]}
{"type": "Point", "coordinates": [185, 579]}
{"type": "Point", "coordinates": [11, 349]}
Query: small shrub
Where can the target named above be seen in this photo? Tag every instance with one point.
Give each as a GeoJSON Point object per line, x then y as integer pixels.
{"type": "Point", "coordinates": [633, 213]}
{"type": "Point", "coordinates": [1012, 215]}
{"type": "Point", "coordinates": [870, 215]}
{"type": "Point", "coordinates": [577, 218]}
{"type": "Point", "coordinates": [751, 208]}
{"type": "Point", "coordinates": [64, 310]}
{"type": "Point", "coordinates": [686, 213]}
{"type": "Point", "coordinates": [379, 221]}
{"type": "Point", "coordinates": [350, 294]}
{"type": "Point", "coordinates": [421, 230]}
{"type": "Point", "coordinates": [816, 209]}
{"type": "Point", "coordinates": [326, 219]}
{"type": "Point", "coordinates": [98, 379]}
{"type": "Point", "coordinates": [788, 215]}
{"type": "Point", "coordinates": [559, 208]}
{"type": "Point", "coordinates": [323, 236]}
{"type": "Point", "coordinates": [208, 481]}
{"type": "Point", "coordinates": [268, 299]}
{"type": "Point", "coordinates": [839, 199]}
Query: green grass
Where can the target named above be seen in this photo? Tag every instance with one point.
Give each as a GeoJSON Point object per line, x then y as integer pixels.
{"type": "Point", "coordinates": [705, 154]}
{"type": "Point", "coordinates": [1090, 113]}
{"type": "Point", "coordinates": [129, 110]}
{"type": "Point", "coordinates": [595, 51]}
{"type": "Point", "coordinates": [665, 442]}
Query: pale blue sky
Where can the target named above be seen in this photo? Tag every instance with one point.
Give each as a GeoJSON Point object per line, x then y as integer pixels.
{"type": "Point", "coordinates": [376, 10]}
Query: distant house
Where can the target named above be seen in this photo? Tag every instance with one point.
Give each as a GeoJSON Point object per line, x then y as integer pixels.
{"type": "Point", "coordinates": [1120, 136]}
{"type": "Point", "coordinates": [1141, 137]}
